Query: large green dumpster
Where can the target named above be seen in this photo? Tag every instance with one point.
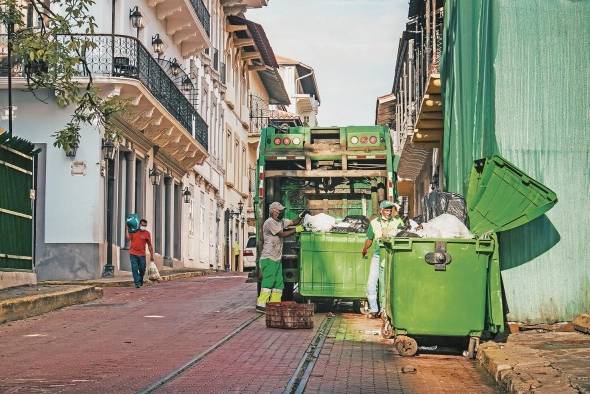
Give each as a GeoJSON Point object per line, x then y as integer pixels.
{"type": "Point", "coordinates": [451, 287]}
{"type": "Point", "coordinates": [331, 266]}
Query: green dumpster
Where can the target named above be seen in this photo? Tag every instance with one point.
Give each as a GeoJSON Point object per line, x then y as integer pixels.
{"type": "Point", "coordinates": [451, 287]}
{"type": "Point", "coordinates": [331, 266]}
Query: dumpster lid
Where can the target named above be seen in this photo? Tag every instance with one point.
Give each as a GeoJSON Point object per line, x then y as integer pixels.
{"type": "Point", "coordinates": [501, 196]}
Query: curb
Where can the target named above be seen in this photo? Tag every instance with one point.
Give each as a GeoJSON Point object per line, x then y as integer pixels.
{"type": "Point", "coordinates": [22, 307]}
{"type": "Point", "coordinates": [127, 282]}
{"type": "Point", "coordinates": [582, 323]}
{"type": "Point", "coordinates": [519, 371]}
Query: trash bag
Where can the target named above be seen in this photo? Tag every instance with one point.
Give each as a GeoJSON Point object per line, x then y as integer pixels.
{"type": "Point", "coordinates": [132, 221]}
{"type": "Point", "coordinates": [436, 203]}
{"type": "Point", "coordinates": [319, 223]}
{"type": "Point", "coordinates": [444, 226]}
{"type": "Point", "coordinates": [355, 224]}
{"type": "Point", "coordinates": [153, 273]}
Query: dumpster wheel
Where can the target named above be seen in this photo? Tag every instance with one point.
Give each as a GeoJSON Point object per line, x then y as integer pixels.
{"type": "Point", "coordinates": [406, 346]}
{"type": "Point", "coordinates": [386, 329]}
{"type": "Point", "coordinates": [472, 349]}
{"type": "Point", "coordinates": [360, 306]}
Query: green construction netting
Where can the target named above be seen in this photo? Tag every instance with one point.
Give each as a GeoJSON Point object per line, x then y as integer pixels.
{"type": "Point", "coordinates": [516, 83]}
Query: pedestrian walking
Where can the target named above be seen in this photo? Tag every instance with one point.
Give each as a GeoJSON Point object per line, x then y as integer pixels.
{"type": "Point", "coordinates": [383, 226]}
{"type": "Point", "coordinates": [274, 229]}
{"type": "Point", "coordinates": [138, 240]}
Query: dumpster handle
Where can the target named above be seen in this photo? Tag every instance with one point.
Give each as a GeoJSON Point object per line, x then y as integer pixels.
{"type": "Point", "coordinates": [402, 244]}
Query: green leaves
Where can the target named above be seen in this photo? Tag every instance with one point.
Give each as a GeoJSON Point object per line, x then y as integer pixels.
{"type": "Point", "coordinates": [53, 56]}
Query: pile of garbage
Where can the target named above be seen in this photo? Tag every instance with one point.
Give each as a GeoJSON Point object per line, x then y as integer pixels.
{"type": "Point", "coordinates": [445, 216]}
{"type": "Point", "coordinates": [326, 223]}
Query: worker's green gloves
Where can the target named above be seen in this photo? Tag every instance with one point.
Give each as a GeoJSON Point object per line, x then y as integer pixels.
{"type": "Point", "coordinates": [299, 229]}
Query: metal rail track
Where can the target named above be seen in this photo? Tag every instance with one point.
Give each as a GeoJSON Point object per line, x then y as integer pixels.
{"type": "Point", "coordinates": [195, 360]}
{"type": "Point", "coordinates": [298, 381]}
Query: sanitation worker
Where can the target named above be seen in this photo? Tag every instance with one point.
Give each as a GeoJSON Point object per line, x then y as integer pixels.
{"type": "Point", "coordinates": [384, 226]}
{"type": "Point", "coordinates": [274, 229]}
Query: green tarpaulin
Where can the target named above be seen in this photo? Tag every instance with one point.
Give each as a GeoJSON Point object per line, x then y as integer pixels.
{"type": "Point", "coordinates": [516, 82]}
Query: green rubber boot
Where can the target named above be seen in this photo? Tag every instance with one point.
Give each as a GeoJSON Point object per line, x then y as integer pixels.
{"type": "Point", "coordinates": [265, 294]}
{"type": "Point", "coordinates": [276, 295]}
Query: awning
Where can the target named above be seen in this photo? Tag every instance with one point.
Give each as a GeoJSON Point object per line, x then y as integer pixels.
{"type": "Point", "coordinates": [309, 83]}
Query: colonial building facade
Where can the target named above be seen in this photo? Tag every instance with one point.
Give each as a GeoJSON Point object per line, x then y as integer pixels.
{"type": "Point", "coordinates": [182, 163]}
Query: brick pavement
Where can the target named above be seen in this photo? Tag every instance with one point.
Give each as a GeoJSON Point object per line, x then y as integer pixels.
{"type": "Point", "coordinates": [120, 343]}
{"type": "Point", "coordinates": [258, 360]}
{"type": "Point", "coordinates": [133, 337]}
{"type": "Point", "coordinates": [356, 360]}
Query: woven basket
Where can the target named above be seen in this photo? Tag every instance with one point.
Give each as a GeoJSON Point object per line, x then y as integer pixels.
{"type": "Point", "coordinates": [289, 314]}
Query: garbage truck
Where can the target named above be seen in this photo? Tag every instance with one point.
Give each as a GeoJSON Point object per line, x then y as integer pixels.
{"type": "Point", "coordinates": [343, 172]}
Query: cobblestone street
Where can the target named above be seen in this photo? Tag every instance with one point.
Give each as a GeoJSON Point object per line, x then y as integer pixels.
{"type": "Point", "coordinates": [134, 337]}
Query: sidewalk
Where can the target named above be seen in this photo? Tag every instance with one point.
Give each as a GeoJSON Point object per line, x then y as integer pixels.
{"type": "Point", "coordinates": [18, 303]}
{"type": "Point", "coordinates": [537, 361]}
{"type": "Point", "coordinates": [125, 279]}
{"type": "Point", "coordinates": [21, 302]}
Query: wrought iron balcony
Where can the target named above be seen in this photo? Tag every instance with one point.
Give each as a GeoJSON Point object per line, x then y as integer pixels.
{"type": "Point", "coordinates": [126, 57]}
{"type": "Point", "coordinates": [203, 15]}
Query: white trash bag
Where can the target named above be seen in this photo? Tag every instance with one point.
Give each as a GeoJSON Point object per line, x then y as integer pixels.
{"type": "Point", "coordinates": [444, 226]}
{"type": "Point", "coordinates": [319, 223]}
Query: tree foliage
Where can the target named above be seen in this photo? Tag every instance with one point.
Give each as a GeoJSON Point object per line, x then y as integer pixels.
{"type": "Point", "coordinates": [52, 57]}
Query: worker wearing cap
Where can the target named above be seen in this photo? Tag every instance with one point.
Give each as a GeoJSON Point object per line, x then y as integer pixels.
{"type": "Point", "coordinates": [386, 225]}
{"type": "Point", "coordinates": [274, 230]}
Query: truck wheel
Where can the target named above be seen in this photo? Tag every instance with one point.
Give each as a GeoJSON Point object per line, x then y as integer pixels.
{"type": "Point", "coordinates": [406, 346]}
{"type": "Point", "coordinates": [288, 291]}
{"type": "Point", "coordinates": [386, 329]}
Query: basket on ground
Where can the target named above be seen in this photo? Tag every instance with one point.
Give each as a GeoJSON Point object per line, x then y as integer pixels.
{"type": "Point", "coordinates": [289, 314]}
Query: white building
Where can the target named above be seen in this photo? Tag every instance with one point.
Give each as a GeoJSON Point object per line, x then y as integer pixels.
{"type": "Point", "coordinates": [301, 85]}
{"type": "Point", "coordinates": [182, 163]}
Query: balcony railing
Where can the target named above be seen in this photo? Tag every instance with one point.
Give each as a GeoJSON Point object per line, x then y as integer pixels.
{"type": "Point", "coordinates": [126, 57]}
{"type": "Point", "coordinates": [203, 15]}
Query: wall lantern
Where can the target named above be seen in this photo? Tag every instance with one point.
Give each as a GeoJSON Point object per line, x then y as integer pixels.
{"type": "Point", "coordinates": [240, 207]}
{"type": "Point", "coordinates": [136, 18]}
{"type": "Point", "coordinates": [155, 177]}
{"type": "Point", "coordinates": [108, 149]}
{"type": "Point", "coordinates": [186, 193]}
{"type": "Point", "coordinates": [72, 151]}
{"type": "Point", "coordinates": [158, 44]}
{"type": "Point", "coordinates": [187, 84]}
{"type": "Point", "coordinates": [174, 67]}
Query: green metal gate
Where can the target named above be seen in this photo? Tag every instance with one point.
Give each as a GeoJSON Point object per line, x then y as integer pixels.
{"type": "Point", "coordinates": [16, 208]}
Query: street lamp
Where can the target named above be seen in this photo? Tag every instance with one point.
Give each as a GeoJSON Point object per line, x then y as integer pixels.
{"type": "Point", "coordinates": [187, 84]}
{"type": "Point", "coordinates": [186, 193]}
{"type": "Point", "coordinates": [155, 177]}
{"type": "Point", "coordinates": [136, 18]}
{"type": "Point", "coordinates": [108, 149]}
{"type": "Point", "coordinates": [174, 67]}
{"type": "Point", "coordinates": [158, 44]}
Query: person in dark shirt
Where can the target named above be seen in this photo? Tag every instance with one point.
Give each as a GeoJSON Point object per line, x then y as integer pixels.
{"type": "Point", "coordinates": [137, 243]}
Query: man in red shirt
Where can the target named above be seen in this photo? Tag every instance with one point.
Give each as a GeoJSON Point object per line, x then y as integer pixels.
{"type": "Point", "coordinates": [138, 240]}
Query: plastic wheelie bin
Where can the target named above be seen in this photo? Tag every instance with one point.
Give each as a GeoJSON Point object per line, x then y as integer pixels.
{"type": "Point", "coordinates": [452, 287]}
{"type": "Point", "coordinates": [331, 267]}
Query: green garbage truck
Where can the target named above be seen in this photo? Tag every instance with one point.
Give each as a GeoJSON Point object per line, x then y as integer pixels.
{"type": "Point", "coordinates": [451, 287]}
{"type": "Point", "coordinates": [339, 171]}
